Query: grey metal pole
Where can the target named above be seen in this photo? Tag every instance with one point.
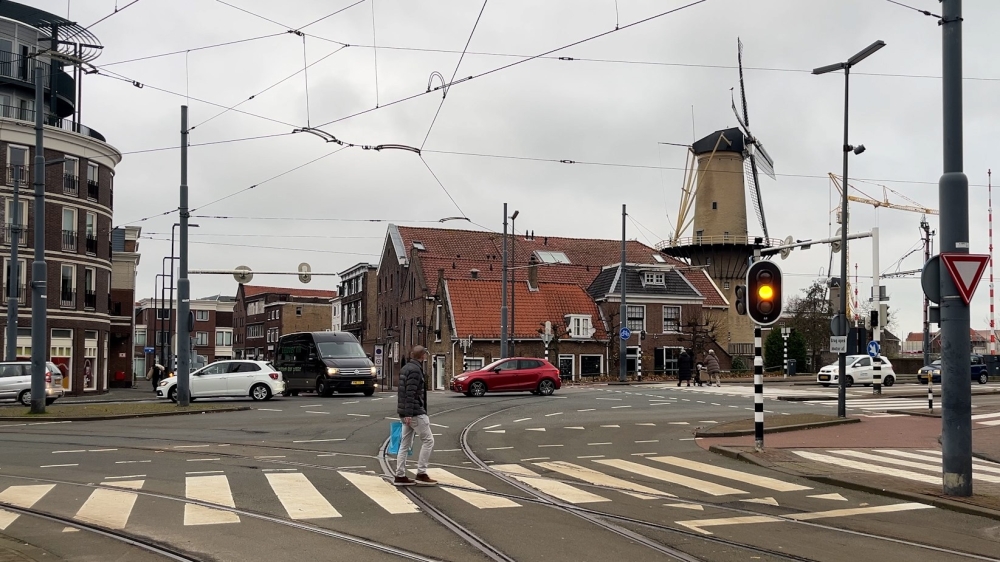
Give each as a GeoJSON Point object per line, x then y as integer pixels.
{"type": "Point", "coordinates": [953, 194]}
{"type": "Point", "coordinates": [39, 269]}
{"type": "Point", "coordinates": [183, 284]}
{"type": "Point", "coordinates": [511, 347]}
{"type": "Point", "coordinates": [623, 317]}
{"type": "Point", "coordinates": [926, 344]}
{"type": "Point", "coordinates": [842, 357]}
{"type": "Point", "coordinates": [503, 296]}
{"type": "Point", "coordinates": [877, 328]}
{"type": "Point", "coordinates": [170, 293]}
{"type": "Point", "coordinates": [168, 323]}
{"type": "Point", "coordinates": [13, 290]}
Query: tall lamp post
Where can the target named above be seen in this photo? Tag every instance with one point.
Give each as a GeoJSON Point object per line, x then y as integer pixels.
{"type": "Point", "coordinates": [847, 148]}
{"type": "Point", "coordinates": [513, 281]}
{"type": "Point", "coordinates": [170, 327]}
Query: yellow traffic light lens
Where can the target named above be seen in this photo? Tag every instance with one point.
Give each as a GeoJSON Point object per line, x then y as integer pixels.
{"type": "Point", "coordinates": [765, 292]}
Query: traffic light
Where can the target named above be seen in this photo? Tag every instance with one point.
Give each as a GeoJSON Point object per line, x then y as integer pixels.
{"type": "Point", "coordinates": [764, 293]}
{"type": "Point", "coordinates": [874, 319]}
{"type": "Point", "coordinates": [741, 300]}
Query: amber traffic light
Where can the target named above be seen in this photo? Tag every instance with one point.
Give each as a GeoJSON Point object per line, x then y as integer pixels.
{"type": "Point", "coordinates": [764, 293]}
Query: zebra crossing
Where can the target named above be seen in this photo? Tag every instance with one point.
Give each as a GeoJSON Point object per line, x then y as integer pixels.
{"type": "Point", "coordinates": [875, 404]}
{"type": "Point", "coordinates": [915, 465]}
{"type": "Point", "coordinates": [213, 498]}
{"type": "Point", "coordinates": [989, 420]}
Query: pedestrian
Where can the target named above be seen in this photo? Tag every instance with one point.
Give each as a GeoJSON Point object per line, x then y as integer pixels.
{"type": "Point", "coordinates": [698, 369]}
{"type": "Point", "coordinates": [156, 374]}
{"type": "Point", "coordinates": [712, 364]}
{"type": "Point", "coordinates": [411, 406]}
{"type": "Point", "coordinates": [684, 368]}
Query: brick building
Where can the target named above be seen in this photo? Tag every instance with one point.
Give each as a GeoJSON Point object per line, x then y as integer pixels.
{"type": "Point", "coordinates": [264, 314]}
{"type": "Point", "coordinates": [124, 262]}
{"type": "Point", "coordinates": [78, 200]}
{"type": "Point", "coordinates": [358, 303]}
{"type": "Point", "coordinates": [212, 335]}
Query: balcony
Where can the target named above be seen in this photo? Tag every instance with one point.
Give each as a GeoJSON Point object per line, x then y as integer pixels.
{"type": "Point", "coordinates": [11, 112]}
{"type": "Point", "coordinates": [12, 231]}
{"type": "Point", "coordinates": [67, 298]}
{"type": "Point", "coordinates": [17, 70]}
{"type": "Point", "coordinates": [89, 300]}
{"type": "Point", "coordinates": [93, 190]}
{"type": "Point", "coordinates": [71, 185]}
{"type": "Point", "coordinates": [21, 295]}
{"type": "Point", "coordinates": [91, 245]}
{"type": "Point", "coordinates": [69, 240]}
{"type": "Point", "coordinates": [22, 173]}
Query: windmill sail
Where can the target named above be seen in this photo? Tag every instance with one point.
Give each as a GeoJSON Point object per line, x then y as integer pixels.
{"type": "Point", "coordinates": [755, 157]}
{"type": "Point", "coordinates": [758, 203]}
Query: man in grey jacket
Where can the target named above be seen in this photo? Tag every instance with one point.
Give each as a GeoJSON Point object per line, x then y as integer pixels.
{"type": "Point", "coordinates": [412, 409]}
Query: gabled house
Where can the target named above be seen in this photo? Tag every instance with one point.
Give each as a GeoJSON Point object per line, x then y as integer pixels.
{"type": "Point", "coordinates": [263, 314]}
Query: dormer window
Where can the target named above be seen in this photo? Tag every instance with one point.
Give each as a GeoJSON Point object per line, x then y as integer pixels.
{"type": "Point", "coordinates": [579, 326]}
{"type": "Point", "coordinates": [654, 278]}
{"type": "Point", "coordinates": [417, 245]}
{"type": "Point", "coordinates": [545, 256]}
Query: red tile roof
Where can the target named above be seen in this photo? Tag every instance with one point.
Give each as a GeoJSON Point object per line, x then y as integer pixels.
{"type": "Point", "coordinates": [255, 290]}
{"type": "Point", "coordinates": [701, 281]}
{"type": "Point", "coordinates": [475, 306]}
{"type": "Point", "coordinates": [915, 336]}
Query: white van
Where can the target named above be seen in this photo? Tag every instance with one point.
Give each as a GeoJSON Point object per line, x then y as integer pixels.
{"type": "Point", "coordinates": [15, 381]}
{"type": "Point", "coordinates": [860, 370]}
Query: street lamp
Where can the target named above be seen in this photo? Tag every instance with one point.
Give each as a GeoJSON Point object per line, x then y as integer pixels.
{"type": "Point", "coordinates": [841, 321]}
{"type": "Point", "coordinates": [170, 327]}
{"type": "Point", "coordinates": [157, 321]}
{"type": "Point", "coordinates": [513, 283]}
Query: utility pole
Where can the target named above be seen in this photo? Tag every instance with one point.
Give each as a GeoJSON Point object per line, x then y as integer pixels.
{"type": "Point", "coordinates": [503, 296]}
{"type": "Point", "coordinates": [953, 194]}
{"type": "Point", "coordinates": [183, 284]}
{"type": "Point", "coordinates": [513, 285]}
{"type": "Point", "coordinates": [877, 328]}
{"type": "Point", "coordinates": [39, 269]}
{"type": "Point", "coordinates": [14, 290]}
{"type": "Point", "coordinates": [623, 317]}
{"type": "Point", "coordinates": [926, 227]}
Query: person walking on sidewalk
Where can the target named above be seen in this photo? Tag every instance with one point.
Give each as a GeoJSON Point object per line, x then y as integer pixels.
{"type": "Point", "coordinates": [712, 365]}
{"type": "Point", "coordinates": [684, 368]}
{"type": "Point", "coordinates": [411, 406]}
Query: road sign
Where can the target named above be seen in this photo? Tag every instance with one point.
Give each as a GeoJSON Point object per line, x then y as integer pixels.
{"type": "Point", "coordinates": [966, 270]}
{"type": "Point", "coordinates": [149, 350]}
{"type": "Point", "coordinates": [874, 349]}
{"type": "Point", "coordinates": [304, 270]}
{"type": "Point", "coordinates": [245, 276]}
{"type": "Point", "coordinates": [838, 326]}
{"type": "Point", "coordinates": [625, 333]}
{"type": "Point", "coordinates": [838, 344]}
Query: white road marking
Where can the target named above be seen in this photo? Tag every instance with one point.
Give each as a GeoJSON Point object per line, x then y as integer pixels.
{"type": "Point", "coordinates": [612, 425]}
{"type": "Point", "coordinates": [600, 479]}
{"type": "Point", "coordinates": [439, 425]}
{"type": "Point", "coordinates": [209, 489]}
{"type": "Point", "coordinates": [591, 457]}
{"type": "Point", "coordinates": [521, 420]}
{"type": "Point", "coordinates": [534, 429]}
{"type": "Point", "coordinates": [692, 506]}
{"type": "Point", "coordinates": [834, 497]}
{"type": "Point", "coordinates": [649, 441]}
{"type": "Point", "coordinates": [588, 410]}
{"type": "Point", "coordinates": [355, 402]}
{"type": "Point", "coordinates": [650, 424]}
{"type": "Point", "coordinates": [100, 450]}
{"type": "Point", "coordinates": [550, 445]}
{"type": "Point", "coordinates": [553, 414]}
{"type": "Point", "coordinates": [672, 478]}
{"type": "Point", "coordinates": [574, 427]}
{"type": "Point", "coordinates": [708, 421]}
{"type": "Point", "coordinates": [990, 423]}
{"type": "Point", "coordinates": [199, 460]}
{"type": "Point", "coordinates": [267, 410]}
{"type": "Point", "coordinates": [360, 415]}
{"type": "Point", "coordinates": [56, 465]}
{"type": "Point", "coordinates": [859, 511]}
{"type": "Point", "coordinates": [556, 489]}
{"type": "Point", "coordinates": [107, 508]}
{"type": "Point", "coordinates": [129, 476]}
{"type": "Point", "coordinates": [127, 484]}
{"type": "Point", "coordinates": [70, 451]}
{"type": "Point", "coordinates": [739, 476]}
{"type": "Point", "coordinates": [475, 499]}
{"type": "Point", "coordinates": [977, 464]}
{"type": "Point", "coordinates": [764, 501]}
{"type": "Point", "coordinates": [643, 454]}
{"type": "Point", "coordinates": [311, 406]}
{"type": "Point", "coordinates": [206, 472]}
{"type": "Point", "coordinates": [493, 426]}
{"type": "Point", "coordinates": [616, 399]}
{"type": "Point", "coordinates": [498, 448]}
{"type": "Point", "coordinates": [313, 412]}
{"type": "Point", "coordinates": [616, 407]}
{"type": "Point", "coordinates": [381, 492]}
{"type": "Point", "coordinates": [496, 431]}
{"type": "Point", "coordinates": [270, 457]}
{"type": "Point", "coordinates": [884, 470]}
{"type": "Point", "coordinates": [190, 446]}
{"type": "Point", "coordinates": [21, 496]}
{"type": "Point", "coordinates": [318, 440]}
{"type": "Point", "coordinates": [535, 459]}
{"type": "Point", "coordinates": [446, 450]}
{"type": "Point", "coordinates": [678, 423]}
{"type": "Point", "coordinates": [697, 525]}
{"type": "Point", "coordinates": [299, 497]}
{"type": "Point", "coordinates": [607, 443]}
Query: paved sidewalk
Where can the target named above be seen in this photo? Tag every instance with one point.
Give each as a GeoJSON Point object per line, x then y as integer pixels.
{"type": "Point", "coordinates": [144, 391]}
{"type": "Point", "coordinates": [894, 455]}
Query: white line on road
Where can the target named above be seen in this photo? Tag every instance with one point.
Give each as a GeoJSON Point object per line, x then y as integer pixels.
{"type": "Point", "coordinates": [496, 431]}
{"type": "Point", "coordinates": [493, 426]}
{"type": "Point", "coordinates": [616, 407]}
{"type": "Point", "coordinates": [554, 488]}
{"type": "Point", "coordinates": [521, 420]}
{"type": "Point", "coordinates": [381, 492]}
{"type": "Point", "coordinates": [649, 441]}
{"type": "Point", "coordinates": [107, 508]}
{"type": "Point", "coordinates": [591, 457]}
{"type": "Point", "coordinates": [600, 479]}
{"type": "Point", "coordinates": [553, 414]}
{"type": "Point", "coordinates": [299, 497]}
{"type": "Point", "coordinates": [651, 424]}
{"type": "Point", "coordinates": [270, 457]}
{"type": "Point", "coordinates": [550, 445]}
{"type": "Point", "coordinates": [446, 450]}
{"type": "Point", "coordinates": [355, 402]}
{"type": "Point", "coordinates": [267, 410]}
{"type": "Point", "coordinates": [482, 501]}
{"type": "Point", "coordinates": [190, 446]}
{"type": "Point", "coordinates": [127, 476]}
{"type": "Point", "coordinates": [618, 399]}
{"type": "Point", "coordinates": [71, 451]}
{"type": "Point", "coordinates": [318, 440]}
{"type": "Point", "coordinates": [701, 485]}
{"type": "Point", "coordinates": [588, 410]}
{"type": "Point", "coordinates": [845, 463]}
{"type": "Point", "coordinates": [314, 412]}
{"type": "Point", "coordinates": [859, 511]}
{"type": "Point", "coordinates": [56, 465]}
{"type": "Point", "coordinates": [209, 489]}
{"type": "Point", "coordinates": [360, 415]}
{"type": "Point", "coordinates": [574, 427]}
{"type": "Point", "coordinates": [21, 496]}
{"type": "Point", "coordinates": [611, 425]}
{"type": "Point", "coordinates": [534, 429]}
{"type": "Point", "coordinates": [753, 479]}
{"type": "Point", "coordinates": [131, 462]}
{"type": "Point", "coordinates": [197, 460]}
{"type": "Point", "coordinates": [535, 459]}
{"type": "Point", "coordinates": [311, 406]}
{"type": "Point", "coordinates": [608, 443]}
{"type": "Point", "coordinates": [100, 450]}
{"type": "Point", "coordinates": [498, 448]}
{"type": "Point", "coordinates": [205, 472]}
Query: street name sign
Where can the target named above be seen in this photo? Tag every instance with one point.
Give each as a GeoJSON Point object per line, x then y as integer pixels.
{"type": "Point", "coordinates": [838, 344]}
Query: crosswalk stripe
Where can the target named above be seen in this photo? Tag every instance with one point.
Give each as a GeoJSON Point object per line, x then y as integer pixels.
{"type": "Point", "coordinates": [107, 508]}
{"type": "Point", "coordinates": [210, 489]}
{"type": "Point", "coordinates": [762, 481]}
{"type": "Point", "coordinates": [990, 423]}
{"type": "Point", "coordinates": [128, 484]}
{"type": "Point", "coordinates": [554, 488]}
{"type": "Point", "coordinates": [299, 497]}
{"type": "Point", "coordinates": [381, 492]}
{"type": "Point", "coordinates": [986, 416]}
{"type": "Point", "coordinates": [863, 466]}
{"type": "Point", "coordinates": [678, 479]}
{"type": "Point", "coordinates": [475, 499]}
{"type": "Point", "coordinates": [858, 511]}
{"type": "Point", "coordinates": [600, 479]}
{"type": "Point", "coordinates": [21, 496]}
{"type": "Point", "coordinates": [978, 465]}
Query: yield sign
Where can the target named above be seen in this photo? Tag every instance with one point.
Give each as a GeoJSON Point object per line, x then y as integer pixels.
{"type": "Point", "coordinates": [966, 270]}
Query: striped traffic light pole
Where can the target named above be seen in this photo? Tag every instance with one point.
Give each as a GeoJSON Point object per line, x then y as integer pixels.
{"type": "Point", "coordinates": [758, 391]}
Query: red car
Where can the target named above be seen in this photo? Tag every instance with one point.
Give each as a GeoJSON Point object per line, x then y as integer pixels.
{"type": "Point", "coordinates": [507, 375]}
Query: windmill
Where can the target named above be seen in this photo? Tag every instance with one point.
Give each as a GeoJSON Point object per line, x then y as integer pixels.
{"type": "Point", "coordinates": [754, 156]}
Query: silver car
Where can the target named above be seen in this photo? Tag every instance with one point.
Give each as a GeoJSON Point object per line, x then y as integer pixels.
{"type": "Point", "coordinates": [15, 381]}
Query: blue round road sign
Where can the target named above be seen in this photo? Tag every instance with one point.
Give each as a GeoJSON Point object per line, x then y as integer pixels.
{"type": "Point", "coordinates": [625, 333]}
{"type": "Point", "coordinates": [874, 348]}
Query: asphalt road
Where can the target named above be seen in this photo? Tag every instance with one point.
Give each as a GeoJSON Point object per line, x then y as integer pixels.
{"type": "Point", "coordinates": [592, 473]}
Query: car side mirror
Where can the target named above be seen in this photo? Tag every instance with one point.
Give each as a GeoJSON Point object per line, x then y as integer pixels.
{"type": "Point", "coordinates": [312, 357]}
{"type": "Point", "coordinates": [496, 369]}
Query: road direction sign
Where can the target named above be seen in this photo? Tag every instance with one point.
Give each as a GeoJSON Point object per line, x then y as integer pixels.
{"type": "Point", "coordinates": [966, 270]}
{"type": "Point", "coordinates": [625, 333]}
{"type": "Point", "coordinates": [149, 350]}
{"type": "Point", "coordinates": [874, 349]}
{"type": "Point", "coordinates": [838, 344]}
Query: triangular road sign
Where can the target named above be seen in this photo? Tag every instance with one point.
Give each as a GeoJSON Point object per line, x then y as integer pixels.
{"type": "Point", "coordinates": [966, 270]}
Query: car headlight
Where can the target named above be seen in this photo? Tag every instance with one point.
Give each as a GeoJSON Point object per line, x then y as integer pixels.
{"type": "Point", "coordinates": [936, 371]}
{"type": "Point", "coordinates": [332, 371]}
{"type": "Point", "coordinates": [165, 382]}
{"type": "Point", "coordinates": [374, 370]}
{"type": "Point", "coordinates": [461, 378]}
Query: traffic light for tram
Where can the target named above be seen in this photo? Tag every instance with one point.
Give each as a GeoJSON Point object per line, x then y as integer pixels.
{"type": "Point", "coordinates": [741, 300]}
{"type": "Point", "coordinates": [764, 293]}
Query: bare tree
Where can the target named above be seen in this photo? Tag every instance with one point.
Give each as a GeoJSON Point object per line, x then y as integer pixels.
{"type": "Point", "coordinates": [701, 333]}
{"type": "Point", "coordinates": [810, 315]}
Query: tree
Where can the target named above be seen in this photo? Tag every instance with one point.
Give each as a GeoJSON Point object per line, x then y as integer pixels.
{"type": "Point", "coordinates": [810, 315]}
{"type": "Point", "coordinates": [701, 333]}
{"type": "Point", "coordinates": [774, 349]}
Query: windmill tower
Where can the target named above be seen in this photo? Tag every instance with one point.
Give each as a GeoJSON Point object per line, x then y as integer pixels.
{"type": "Point", "coordinates": [721, 168]}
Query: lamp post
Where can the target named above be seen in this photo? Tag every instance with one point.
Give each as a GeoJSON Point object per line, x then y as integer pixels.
{"type": "Point", "coordinates": [847, 148]}
{"type": "Point", "coordinates": [170, 326]}
{"type": "Point", "coordinates": [13, 280]}
{"type": "Point", "coordinates": [513, 282]}
{"type": "Point", "coordinates": [158, 323]}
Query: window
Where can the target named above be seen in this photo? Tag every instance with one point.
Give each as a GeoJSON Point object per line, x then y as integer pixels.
{"type": "Point", "coordinates": [437, 323]}
{"type": "Point", "coordinates": [17, 163]}
{"type": "Point", "coordinates": [636, 316]}
{"type": "Point", "coordinates": [161, 338]}
{"type": "Point", "coordinates": [71, 179]}
{"type": "Point", "coordinates": [22, 221]}
{"type": "Point", "coordinates": [89, 288]}
{"type": "Point", "coordinates": [255, 331]}
{"type": "Point", "coordinates": [591, 365]}
{"type": "Point", "coordinates": [163, 313]}
{"type": "Point", "coordinates": [715, 205]}
{"type": "Point", "coordinates": [552, 257]}
{"type": "Point", "coordinates": [20, 289]}
{"type": "Point", "coordinates": [69, 229]}
{"type": "Point", "coordinates": [201, 338]}
{"type": "Point", "coordinates": [223, 338]}
{"type": "Point", "coordinates": [699, 235]}
{"type": "Point", "coordinates": [201, 316]}
{"type": "Point", "coordinates": [140, 336]}
{"type": "Point", "coordinates": [91, 233]}
{"type": "Point", "coordinates": [419, 245]}
{"type": "Point", "coordinates": [67, 286]}
{"type": "Point", "coordinates": [298, 311]}
{"type": "Point", "coordinates": [92, 171]}
{"type": "Point", "coordinates": [579, 326]}
{"type": "Point", "coordinates": [655, 278]}
{"type": "Point", "coordinates": [671, 319]}
{"type": "Point", "coordinates": [725, 285]}
{"type": "Point", "coordinates": [659, 258]}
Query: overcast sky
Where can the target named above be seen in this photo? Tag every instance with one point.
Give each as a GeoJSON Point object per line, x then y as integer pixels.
{"type": "Point", "coordinates": [612, 112]}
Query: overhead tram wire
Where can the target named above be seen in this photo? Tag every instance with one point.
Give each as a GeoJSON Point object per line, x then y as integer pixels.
{"type": "Point", "coordinates": [243, 235]}
{"type": "Point", "coordinates": [254, 14]}
{"type": "Point", "coordinates": [117, 10]}
{"type": "Point", "coordinates": [317, 219]}
{"type": "Point", "coordinates": [193, 49]}
{"type": "Point", "coordinates": [924, 12]}
{"type": "Point", "coordinates": [209, 143]}
{"type": "Point", "coordinates": [258, 247]}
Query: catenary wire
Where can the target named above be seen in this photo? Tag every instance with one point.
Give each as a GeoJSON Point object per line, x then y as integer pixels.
{"type": "Point", "coordinates": [320, 219]}
{"type": "Point", "coordinates": [375, 52]}
{"type": "Point", "coordinates": [254, 14]}
{"type": "Point", "coordinates": [193, 49]}
{"type": "Point", "coordinates": [330, 15]}
{"type": "Point", "coordinates": [227, 141]}
{"type": "Point", "coordinates": [259, 247]}
{"type": "Point", "coordinates": [310, 236]}
{"type": "Point", "coordinates": [117, 9]}
{"type": "Point", "coordinates": [924, 12]}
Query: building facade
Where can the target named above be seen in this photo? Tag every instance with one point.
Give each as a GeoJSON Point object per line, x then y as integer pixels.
{"type": "Point", "coordinates": [335, 315]}
{"type": "Point", "coordinates": [357, 303]}
{"type": "Point", "coordinates": [124, 262]}
{"type": "Point", "coordinates": [78, 206]}
{"type": "Point", "coordinates": [156, 332]}
{"type": "Point", "coordinates": [263, 314]}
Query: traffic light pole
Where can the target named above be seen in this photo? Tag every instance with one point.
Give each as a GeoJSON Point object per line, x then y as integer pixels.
{"type": "Point", "coordinates": [758, 391]}
{"type": "Point", "coordinates": [877, 328]}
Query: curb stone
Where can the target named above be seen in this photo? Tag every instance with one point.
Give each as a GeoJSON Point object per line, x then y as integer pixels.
{"type": "Point", "coordinates": [778, 429]}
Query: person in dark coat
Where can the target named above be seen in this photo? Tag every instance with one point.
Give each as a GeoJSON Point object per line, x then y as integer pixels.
{"type": "Point", "coordinates": [684, 368]}
{"type": "Point", "coordinates": [411, 406]}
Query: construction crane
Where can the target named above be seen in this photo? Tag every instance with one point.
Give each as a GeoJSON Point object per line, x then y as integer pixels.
{"type": "Point", "coordinates": [913, 206]}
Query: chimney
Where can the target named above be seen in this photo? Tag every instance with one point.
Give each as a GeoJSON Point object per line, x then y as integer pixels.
{"type": "Point", "coordinates": [545, 241]}
{"type": "Point", "coordinates": [475, 273]}
{"type": "Point", "coordinates": [532, 273]}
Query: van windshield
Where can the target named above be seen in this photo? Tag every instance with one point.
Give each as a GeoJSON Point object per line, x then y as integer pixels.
{"type": "Point", "coordinates": [340, 349]}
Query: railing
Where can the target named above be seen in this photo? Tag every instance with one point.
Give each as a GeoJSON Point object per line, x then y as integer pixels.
{"type": "Point", "coordinates": [67, 299]}
{"type": "Point", "coordinates": [21, 293]}
{"type": "Point", "coordinates": [25, 175]}
{"type": "Point", "coordinates": [91, 245]}
{"type": "Point", "coordinates": [93, 190]}
{"type": "Point", "coordinates": [69, 240]}
{"type": "Point", "coordinates": [71, 185]}
{"type": "Point", "coordinates": [11, 112]}
{"type": "Point", "coordinates": [723, 239]}
{"type": "Point", "coordinates": [11, 231]}
{"type": "Point", "coordinates": [16, 67]}
{"type": "Point", "coordinates": [89, 300]}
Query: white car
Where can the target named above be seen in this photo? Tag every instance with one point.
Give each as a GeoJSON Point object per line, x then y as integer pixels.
{"type": "Point", "coordinates": [257, 379]}
{"type": "Point", "coordinates": [860, 369]}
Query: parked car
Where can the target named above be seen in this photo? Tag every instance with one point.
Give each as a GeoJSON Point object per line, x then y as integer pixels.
{"type": "Point", "coordinates": [860, 370]}
{"type": "Point", "coordinates": [324, 362]}
{"type": "Point", "coordinates": [977, 369]}
{"type": "Point", "coordinates": [15, 381]}
{"type": "Point", "coordinates": [257, 379]}
{"type": "Point", "coordinates": [507, 375]}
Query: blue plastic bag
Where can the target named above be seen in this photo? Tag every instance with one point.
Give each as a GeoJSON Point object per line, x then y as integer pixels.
{"type": "Point", "coordinates": [395, 436]}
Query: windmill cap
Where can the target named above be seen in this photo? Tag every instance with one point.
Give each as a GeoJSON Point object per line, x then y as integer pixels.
{"type": "Point", "coordinates": [707, 144]}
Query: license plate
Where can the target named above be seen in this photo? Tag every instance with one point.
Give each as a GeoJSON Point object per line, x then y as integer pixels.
{"type": "Point", "coordinates": [357, 382]}
{"type": "Point", "coordinates": [824, 377]}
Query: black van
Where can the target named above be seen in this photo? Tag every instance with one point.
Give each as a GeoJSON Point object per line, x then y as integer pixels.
{"type": "Point", "coordinates": [324, 362]}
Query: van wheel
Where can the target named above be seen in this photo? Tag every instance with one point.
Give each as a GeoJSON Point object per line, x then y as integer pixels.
{"type": "Point", "coordinates": [322, 389]}
{"type": "Point", "coordinates": [25, 398]}
{"type": "Point", "coordinates": [889, 381]}
{"type": "Point", "coordinates": [983, 378]}
{"type": "Point", "coordinates": [369, 391]}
